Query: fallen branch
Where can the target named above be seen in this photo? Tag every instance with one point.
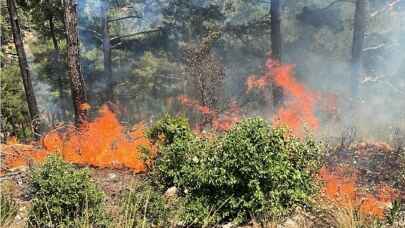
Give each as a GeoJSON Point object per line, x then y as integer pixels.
{"type": "Point", "coordinates": [11, 175]}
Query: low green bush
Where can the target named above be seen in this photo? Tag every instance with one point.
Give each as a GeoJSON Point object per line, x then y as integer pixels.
{"type": "Point", "coordinates": [250, 171]}
{"type": "Point", "coordinates": [63, 195]}
{"type": "Point", "coordinates": [168, 133]}
{"type": "Point", "coordinates": [8, 209]}
{"type": "Point", "coordinates": [168, 129]}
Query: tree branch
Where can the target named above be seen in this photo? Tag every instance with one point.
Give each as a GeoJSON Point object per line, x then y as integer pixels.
{"type": "Point", "coordinates": [336, 1]}
{"type": "Point", "coordinates": [98, 35]}
{"type": "Point", "coordinates": [135, 34]}
{"type": "Point", "coordinates": [387, 7]}
{"type": "Point", "coordinates": [374, 47]}
{"type": "Point", "coordinates": [123, 18]}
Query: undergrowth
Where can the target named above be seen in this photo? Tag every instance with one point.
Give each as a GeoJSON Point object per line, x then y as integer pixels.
{"type": "Point", "coordinates": [251, 170]}
{"type": "Point", "coordinates": [144, 206]}
{"type": "Point", "coordinates": [63, 196]}
{"type": "Point", "coordinates": [8, 209]}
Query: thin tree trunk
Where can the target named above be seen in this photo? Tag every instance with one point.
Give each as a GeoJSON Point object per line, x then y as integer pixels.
{"type": "Point", "coordinates": [24, 68]}
{"type": "Point", "coordinates": [77, 83]}
{"type": "Point", "coordinates": [107, 53]}
{"type": "Point", "coordinates": [275, 95]}
{"type": "Point", "coordinates": [275, 25]}
{"type": "Point", "coordinates": [53, 34]}
{"type": "Point", "coordinates": [360, 24]}
{"type": "Point", "coordinates": [61, 113]}
{"type": "Point", "coordinates": [2, 42]}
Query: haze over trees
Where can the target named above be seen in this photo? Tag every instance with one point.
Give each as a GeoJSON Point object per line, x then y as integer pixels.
{"type": "Point", "coordinates": [142, 55]}
{"type": "Point", "coordinates": [202, 113]}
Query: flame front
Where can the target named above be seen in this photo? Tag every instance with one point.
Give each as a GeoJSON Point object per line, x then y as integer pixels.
{"type": "Point", "coordinates": [299, 109]}
{"type": "Point", "coordinates": [102, 143]}
{"type": "Point", "coordinates": [343, 190]}
{"type": "Point", "coordinates": [299, 103]}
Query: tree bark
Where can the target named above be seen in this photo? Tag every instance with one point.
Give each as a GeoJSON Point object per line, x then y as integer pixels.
{"type": "Point", "coordinates": [107, 53]}
{"type": "Point", "coordinates": [275, 95]}
{"type": "Point", "coordinates": [275, 25]}
{"type": "Point", "coordinates": [2, 43]}
{"type": "Point", "coordinates": [24, 68]}
{"type": "Point", "coordinates": [360, 24]}
{"type": "Point", "coordinates": [77, 84]}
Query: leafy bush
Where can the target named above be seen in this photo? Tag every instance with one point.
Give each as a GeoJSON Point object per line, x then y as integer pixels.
{"type": "Point", "coordinates": [251, 170]}
{"type": "Point", "coordinates": [8, 209]}
{"type": "Point", "coordinates": [167, 133]}
{"type": "Point", "coordinates": [63, 195]}
{"type": "Point", "coordinates": [168, 129]}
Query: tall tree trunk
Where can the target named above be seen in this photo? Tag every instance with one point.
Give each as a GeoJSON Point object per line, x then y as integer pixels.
{"type": "Point", "coordinates": [77, 83]}
{"type": "Point", "coordinates": [61, 114]}
{"type": "Point", "coordinates": [107, 53]}
{"type": "Point", "coordinates": [24, 68]}
{"type": "Point", "coordinates": [53, 33]}
{"type": "Point", "coordinates": [275, 25]}
{"type": "Point", "coordinates": [2, 43]}
{"type": "Point", "coordinates": [360, 24]}
{"type": "Point", "coordinates": [275, 95]}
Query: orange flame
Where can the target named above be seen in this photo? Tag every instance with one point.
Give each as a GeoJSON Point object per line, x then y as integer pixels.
{"type": "Point", "coordinates": [228, 118]}
{"type": "Point", "coordinates": [12, 140]}
{"type": "Point", "coordinates": [257, 82]}
{"type": "Point", "coordinates": [342, 189]}
{"type": "Point", "coordinates": [102, 143]}
{"type": "Point", "coordinates": [219, 121]}
{"type": "Point", "coordinates": [188, 102]}
{"type": "Point", "coordinates": [299, 109]}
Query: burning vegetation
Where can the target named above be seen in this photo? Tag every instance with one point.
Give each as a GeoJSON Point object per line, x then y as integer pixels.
{"type": "Point", "coordinates": [183, 100]}
{"type": "Point", "coordinates": [103, 142]}
{"type": "Point", "coordinates": [348, 178]}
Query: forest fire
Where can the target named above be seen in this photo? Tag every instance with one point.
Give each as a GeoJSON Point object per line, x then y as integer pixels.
{"type": "Point", "coordinates": [202, 113]}
{"type": "Point", "coordinates": [298, 109]}
{"type": "Point", "coordinates": [219, 121]}
{"type": "Point", "coordinates": [102, 143]}
{"type": "Point", "coordinates": [341, 187]}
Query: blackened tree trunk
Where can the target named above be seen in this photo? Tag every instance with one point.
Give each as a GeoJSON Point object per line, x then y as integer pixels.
{"type": "Point", "coordinates": [24, 68]}
{"type": "Point", "coordinates": [77, 83]}
{"type": "Point", "coordinates": [360, 24]}
{"type": "Point", "coordinates": [275, 13]}
{"type": "Point", "coordinates": [107, 53]}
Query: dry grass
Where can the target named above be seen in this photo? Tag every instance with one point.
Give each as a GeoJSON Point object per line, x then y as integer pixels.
{"type": "Point", "coordinates": [332, 214]}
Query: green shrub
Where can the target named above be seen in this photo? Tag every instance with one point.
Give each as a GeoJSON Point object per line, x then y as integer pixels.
{"type": "Point", "coordinates": [8, 209]}
{"type": "Point", "coordinates": [251, 170]}
{"type": "Point", "coordinates": [169, 133]}
{"type": "Point", "coordinates": [62, 195]}
{"type": "Point", "coordinates": [168, 129]}
{"type": "Point", "coordinates": [145, 206]}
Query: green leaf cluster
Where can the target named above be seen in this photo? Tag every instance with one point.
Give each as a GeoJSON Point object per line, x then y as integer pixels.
{"type": "Point", "coordinates": [252, 170]}
{"type": "Point", "coordinates": [62, 195]}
